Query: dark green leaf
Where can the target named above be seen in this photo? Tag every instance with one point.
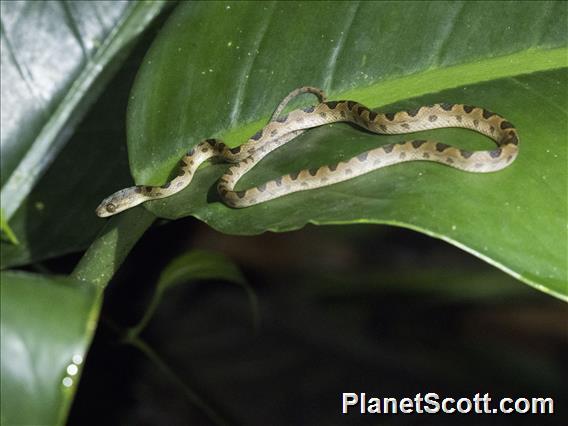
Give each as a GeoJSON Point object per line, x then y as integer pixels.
{"type": "Point", "coordinates": [223, 79]}
{"type": "Point", "coordinates": [56, 58]}
{"type": "Point", "coordinates": [110, 248]}
{"type": "Point", "coordinates": [58, 216]}
{"type": "Point", "coordinates": [197, 265]}
{"type": "Point", "coordinates": [47, 325]}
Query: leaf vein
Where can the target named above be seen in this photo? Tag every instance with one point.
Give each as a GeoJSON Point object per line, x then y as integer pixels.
{"type": "Point", "coordinates": [330, 67]}
{"type": "Point", "coordinates": [447, 35]}
{"type": "Point", "coordinates": [241, 89]}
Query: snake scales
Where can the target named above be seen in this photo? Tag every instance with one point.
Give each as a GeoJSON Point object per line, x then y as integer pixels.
{"type": "Point", "coordinates": [282, 129]}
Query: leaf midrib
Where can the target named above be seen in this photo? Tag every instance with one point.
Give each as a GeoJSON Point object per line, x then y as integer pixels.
{"type": "Point", "coordinates": [43, 150]}
{"type": "Point", "coordinates": [403, 87]}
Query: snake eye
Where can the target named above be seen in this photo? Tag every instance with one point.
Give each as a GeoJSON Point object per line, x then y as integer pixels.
{"type": "Point", "coordinates": [110, 208]}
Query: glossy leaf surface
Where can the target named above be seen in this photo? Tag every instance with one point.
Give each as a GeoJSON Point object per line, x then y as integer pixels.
{"type": "Point", "coordinates": [223, 80]}
{"type": "Point", "coordinates": [56, 58]}
{"type": "Point", "coordinates": [47, 325]}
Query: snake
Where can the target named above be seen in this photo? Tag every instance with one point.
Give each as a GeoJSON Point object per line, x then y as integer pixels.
{"type": "Point", "coordinates": [282, 128]}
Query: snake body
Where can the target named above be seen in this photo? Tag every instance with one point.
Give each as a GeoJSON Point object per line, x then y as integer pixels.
{"type": "Point", "coordinates": [283, 128]}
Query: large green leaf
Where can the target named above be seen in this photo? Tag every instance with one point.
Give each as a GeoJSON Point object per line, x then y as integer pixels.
{"type": "Point", "coordinates": [47, 325]}
{"type": "Point", "coordinates": [47, 223]}
{"type": "Point", "coordinates": [56, 58]}
{"type": "Point", "coordinates": [223, 79]}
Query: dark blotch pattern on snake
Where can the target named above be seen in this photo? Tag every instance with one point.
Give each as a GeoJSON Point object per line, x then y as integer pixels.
{"type": "Point", "coordinates": [281, 129]}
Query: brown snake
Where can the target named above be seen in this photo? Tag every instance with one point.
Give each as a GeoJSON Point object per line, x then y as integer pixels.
{"type": "Point", "coordinates": [282, 129]}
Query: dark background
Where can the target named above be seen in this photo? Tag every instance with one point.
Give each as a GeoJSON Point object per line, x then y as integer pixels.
{"type": "Point", "coordinates": [368, 309]}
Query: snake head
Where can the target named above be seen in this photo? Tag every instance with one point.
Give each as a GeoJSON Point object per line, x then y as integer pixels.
{"type": "Point", "coordinates": [119, 201]}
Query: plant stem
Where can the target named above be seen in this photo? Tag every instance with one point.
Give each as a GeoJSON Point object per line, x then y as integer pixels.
{"type": "Point", "coordinates": [105, 255]}
{"type": "Point", "coordinates": [187, 391]}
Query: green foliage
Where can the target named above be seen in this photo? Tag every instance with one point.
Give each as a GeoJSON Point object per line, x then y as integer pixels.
{"type": "Point", "coordinates": [196, 265]}
{"type": "Point", "coordinates": [82, 53]}
{"type": "Point", "coordinates": [217, 70]}
{"type": "Point", "coordinates": [6, 230]}
{"type": "Point", "coordinates": [86, 42]}
{"type": "Point", "coordinates": [515, 67]}
{"type": "Point", "coordinates": [47, 325]}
